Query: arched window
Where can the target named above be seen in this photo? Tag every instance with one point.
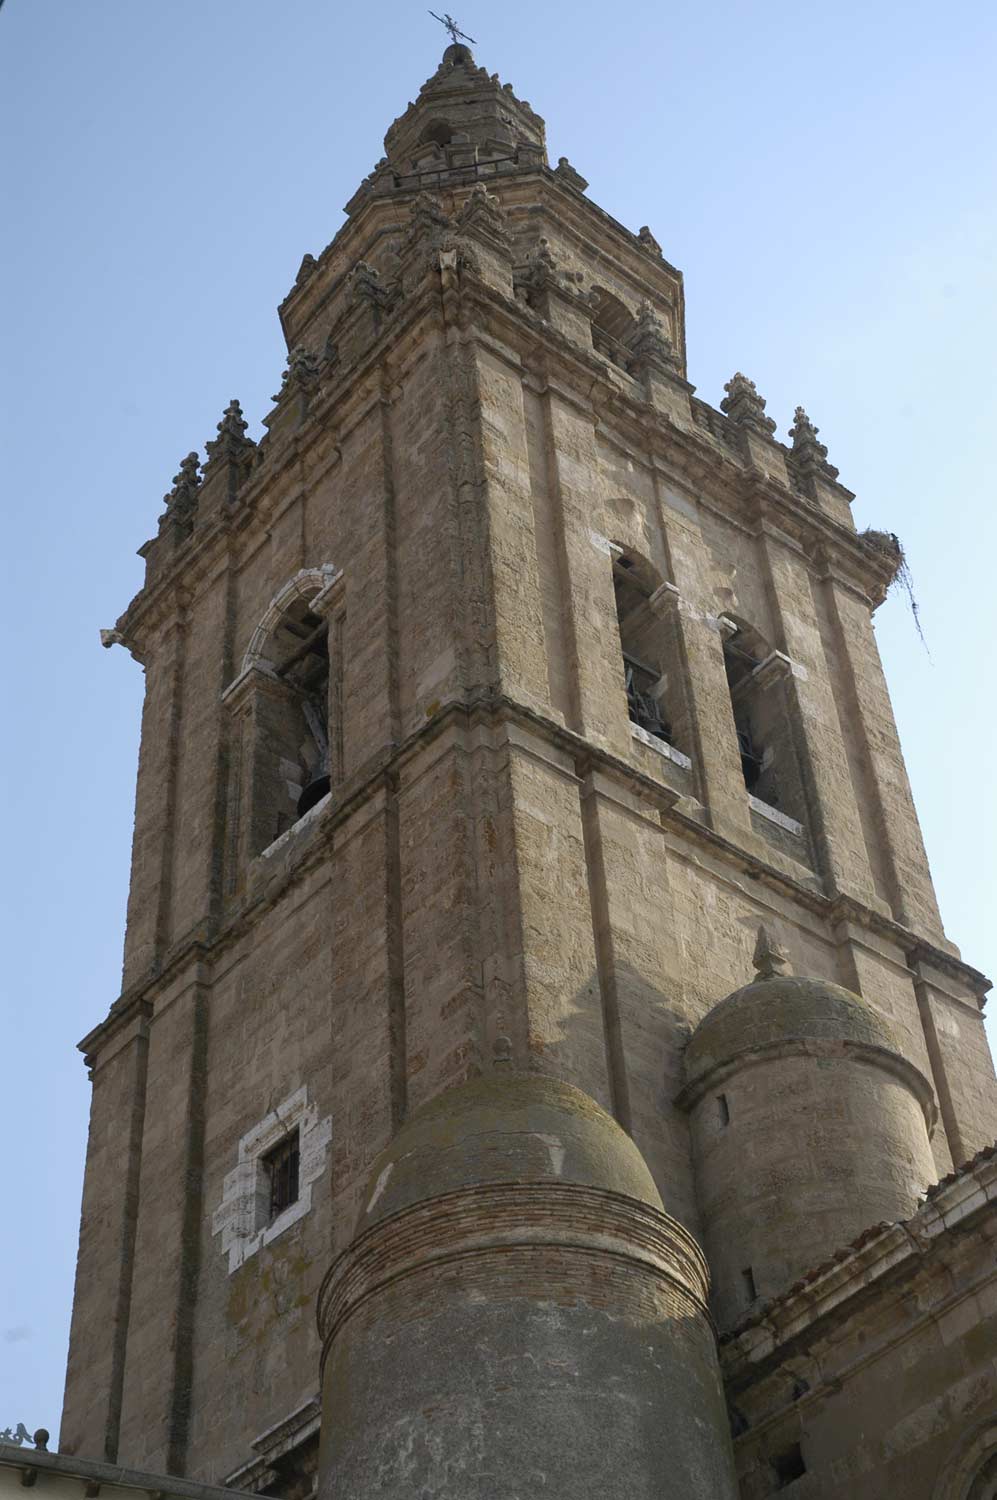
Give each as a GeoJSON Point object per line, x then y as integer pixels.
{"type": "Point", "coordinates": [766, 720]}
{"type": "Point", "coordinates": [300, 646]}
{"type": "Point", "coordinates": [613, 328]}
{"type": "Point", "coordinates": [647, 671]}
{"type": "Point", "coordinates": [744, 651]}
{"type": "Point", "coordinates": [984, 1485]}
{"type": "Point", "coordinates": [437, 133]}
{"type": "Point", "coordinates": [973, 1474]}
{"type": "Point", "coordinates": [286, 702]}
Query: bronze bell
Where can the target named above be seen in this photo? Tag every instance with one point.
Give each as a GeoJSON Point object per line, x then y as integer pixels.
{"type": "Point", "coordinates": [313, 792]}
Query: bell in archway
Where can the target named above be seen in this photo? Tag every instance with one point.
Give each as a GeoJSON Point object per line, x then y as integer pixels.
{"type": "Point", "coordinates": [313, 793]}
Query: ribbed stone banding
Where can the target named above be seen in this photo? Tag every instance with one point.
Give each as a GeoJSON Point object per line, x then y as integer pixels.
{"type": "Point", "coordinates": [506, 1222]}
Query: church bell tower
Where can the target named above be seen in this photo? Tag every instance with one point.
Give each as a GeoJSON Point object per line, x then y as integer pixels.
{"type": "Point", "coordinates": [523, 850]}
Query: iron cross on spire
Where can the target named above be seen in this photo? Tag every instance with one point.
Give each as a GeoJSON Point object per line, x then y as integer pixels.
{"type": "Point", "coordinates": [456, 35]}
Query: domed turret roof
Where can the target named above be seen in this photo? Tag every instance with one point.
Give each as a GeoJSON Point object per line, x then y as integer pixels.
{"type": "Point", "coordinates": [516, 1127]}
{"type": "Point", "coordinates": [782, 1008]}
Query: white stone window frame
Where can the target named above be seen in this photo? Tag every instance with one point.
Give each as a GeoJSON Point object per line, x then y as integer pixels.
{"type": "Point", "coordinates": [242, 1217]}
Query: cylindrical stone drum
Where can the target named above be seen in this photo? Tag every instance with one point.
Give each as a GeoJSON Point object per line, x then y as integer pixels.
{"type": "Point", "coordinates": [518, 1317]}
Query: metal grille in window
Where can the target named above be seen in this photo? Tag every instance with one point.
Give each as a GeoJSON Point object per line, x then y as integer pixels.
{"type": "Point", "coordinates": [281, 1166]}
{"type": "Point", "coordinates": [643, 706]}
{"type": "Point", "coordinates": [751, 760]}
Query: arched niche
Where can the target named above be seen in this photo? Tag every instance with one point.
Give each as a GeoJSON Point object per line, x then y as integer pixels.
{"type": "Point", "coordinates": [285, 705]}
{"type": "Point", "coordinates": [651, 674]}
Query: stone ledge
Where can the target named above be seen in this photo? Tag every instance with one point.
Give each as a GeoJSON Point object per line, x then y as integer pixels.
{"type": "Point", "coordinates": [781, 819]}
{"type": "Point", "coordinates": [662, 747]}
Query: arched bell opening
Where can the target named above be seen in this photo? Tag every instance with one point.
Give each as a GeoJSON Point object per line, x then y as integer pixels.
{"type": "Point", "coordinates": [649, 668]}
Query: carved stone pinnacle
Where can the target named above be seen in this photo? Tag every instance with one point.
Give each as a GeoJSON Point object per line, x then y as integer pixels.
{"type": "Point", "coordinates": [743, 404]}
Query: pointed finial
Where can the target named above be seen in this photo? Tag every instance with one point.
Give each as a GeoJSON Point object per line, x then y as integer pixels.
{"type": "Point", "coordinates": [807, 451]}
{"type": "Point", "coordinates": [233, 423]}
{"type": "Point", "coordinates": [307, 266]}
{"type": "Point", "coordinates": [231, 444]}
{"type": "Point", "coordinates": [188, 475]}
{"type": "Point", "coordinates": [651, 342]}
{"type": "Point", "coordinates": [769, 958]}
{"type": "Point", "coordinates": [743, 404]}
{"type": "Point", "coordinates": [567, 173]}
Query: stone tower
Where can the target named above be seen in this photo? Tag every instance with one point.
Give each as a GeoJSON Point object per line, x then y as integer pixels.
{"type": "Point", "coordinates": [507, 707]}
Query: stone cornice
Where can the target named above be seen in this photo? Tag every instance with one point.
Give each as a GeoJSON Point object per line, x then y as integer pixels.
{"type": "Point", "coordinates": [204, 944]}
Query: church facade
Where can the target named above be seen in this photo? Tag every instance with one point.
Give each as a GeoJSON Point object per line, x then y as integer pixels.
{"type": "Point", "coordinates": [540, 1067]}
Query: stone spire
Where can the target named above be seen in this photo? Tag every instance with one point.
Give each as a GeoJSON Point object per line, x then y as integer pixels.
{"type": "Point", "coordinates": [809, 455]}
{"type": "Point", "coordinates": [770, 957]}
{"type": "Point", "coordinates": [743, 404]}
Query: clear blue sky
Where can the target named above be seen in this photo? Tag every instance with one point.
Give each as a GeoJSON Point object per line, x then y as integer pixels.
{"type": "Point", "coordinates": [824, 176]}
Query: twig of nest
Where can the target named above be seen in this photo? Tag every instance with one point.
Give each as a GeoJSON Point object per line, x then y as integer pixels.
{"type": "Point", "coordinates": [889, 544]}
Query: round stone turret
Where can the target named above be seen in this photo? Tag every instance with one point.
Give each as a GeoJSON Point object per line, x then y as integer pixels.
{"type": "Point", "coordinates": [808, 1126]}
{"type": "Point", "coordinates": [518, 1316]}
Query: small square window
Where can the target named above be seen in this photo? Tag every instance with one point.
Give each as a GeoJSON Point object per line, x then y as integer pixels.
{"type": "Point", "coordinates": [280, 1166]}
